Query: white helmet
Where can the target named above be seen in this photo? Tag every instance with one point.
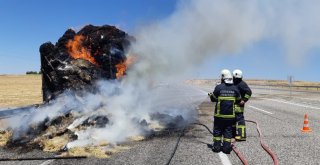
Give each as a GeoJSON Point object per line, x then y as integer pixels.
{"type": "Point", "coordinates": [224, 72]}
{"type": "Point", "coordinates": [237, 73]}
{"type": "Point", "coordinates": [228, 79]}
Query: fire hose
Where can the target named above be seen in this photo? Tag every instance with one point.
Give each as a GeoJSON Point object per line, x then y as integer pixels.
{"type": "Point", "coordinates": [234, 148]}
{"type": "Point", "coordinates": [176, 146]}
{"type": "Point", "coordinates": [265, 147]}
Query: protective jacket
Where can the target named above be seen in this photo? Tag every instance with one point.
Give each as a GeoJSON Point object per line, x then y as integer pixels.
{"type": "Point", "coordinates": [245, 93]}
{"type": "Point", "coordinates": [226, 97]}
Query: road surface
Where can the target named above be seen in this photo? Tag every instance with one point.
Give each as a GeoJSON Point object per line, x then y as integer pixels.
{"type": "Point", "coordinates": [279, 114]}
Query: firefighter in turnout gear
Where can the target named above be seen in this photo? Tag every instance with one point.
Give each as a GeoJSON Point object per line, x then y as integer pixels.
{"type": "Point", "coordinates": [223, 73]}
{"type": "Point", "coordinates": [245, 92]}
{"type": "Point", "coordinates": [226, 95]}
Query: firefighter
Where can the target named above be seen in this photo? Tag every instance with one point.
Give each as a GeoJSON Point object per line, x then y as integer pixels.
{"type": "Point", "coordinates": [223, 73]}
{"type": "Point", "coordinates": [226, 95]}
{"type": "Point", "coordinates": [245, 93]}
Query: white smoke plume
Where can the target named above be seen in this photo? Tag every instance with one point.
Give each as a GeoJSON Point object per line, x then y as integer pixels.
{"type": "Point", "coordinates": [169, 48]}
{"type": "Point", "coordinates": [202, 28]}
{"type": "Point", "coordinates": [131, 110]}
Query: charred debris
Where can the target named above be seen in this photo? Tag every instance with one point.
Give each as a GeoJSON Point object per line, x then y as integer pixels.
{"type": "Point", "coordinates": [74, 64]}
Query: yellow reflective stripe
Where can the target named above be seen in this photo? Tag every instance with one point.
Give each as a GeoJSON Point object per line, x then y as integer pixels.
{"type": "Point", "coordinates": [226, 98]}
{"type": "Point", "coordinates": [225, 116]}
{"type": "Point", "coordinates": [226, 140]}
{"type": "Point", "coordinates": [242, 132]}
{"type": "Point", "coordinates": [242, 127]}
{"type": "Point", "coordinates": [239, 109]}
{"type": "Point", "coordinates": [218, 107]}
{"type": "Point", "coordinates": [217, 138]}
{"type": "Point", "coordinates": [247, 96]}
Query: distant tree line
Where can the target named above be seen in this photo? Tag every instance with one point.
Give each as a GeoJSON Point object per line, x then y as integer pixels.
{"type": "Point", "coordinates": [33, 72]}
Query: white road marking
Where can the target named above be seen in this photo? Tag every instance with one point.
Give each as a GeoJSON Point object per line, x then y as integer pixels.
{"type": "Point", "coordinates": [307, 99]}
{"type": "Point", "coordinates": [47, 162]}
{"type": "Point", "coordinates": [259, 109]}
{"type": "Point", "coordinates": [224, 159]}
{"type": "Point", "coordinates": [297, 104]}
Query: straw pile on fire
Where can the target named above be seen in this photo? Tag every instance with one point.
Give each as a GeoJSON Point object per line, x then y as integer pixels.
{"type": "Point", "coordinates": [86, 112]}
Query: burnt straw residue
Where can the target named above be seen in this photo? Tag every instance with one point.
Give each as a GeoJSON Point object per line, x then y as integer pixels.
{"type": "Point", "coordinates": [58, 132]}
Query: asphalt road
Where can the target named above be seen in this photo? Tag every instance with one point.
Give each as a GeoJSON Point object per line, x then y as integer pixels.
{"type": "Point", "coordinates": [279, 114]}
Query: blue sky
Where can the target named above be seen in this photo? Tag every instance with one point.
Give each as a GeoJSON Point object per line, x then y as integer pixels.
{"type": "Point", "coordinates": [266, 60]}
{"type": "Point", "coordinates": [25, 25]}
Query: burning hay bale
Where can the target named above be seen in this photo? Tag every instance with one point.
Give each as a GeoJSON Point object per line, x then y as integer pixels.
{"type": "Point", "coordinates": [78, 59]}
{"type": "Point", "coordinates": [90, 109]}
{"type": "Point", "coordinates": [98, 123]}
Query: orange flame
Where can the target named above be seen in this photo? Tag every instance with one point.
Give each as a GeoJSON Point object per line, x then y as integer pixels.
{"type": "Point", "coordinates": [76, 50]}
{"type": "Point", "coordinates": [123, 66]}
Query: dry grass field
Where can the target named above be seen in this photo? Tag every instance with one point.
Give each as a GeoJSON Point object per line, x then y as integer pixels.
{"type": "Point", "coordinates": [23, 90]}
{"type": "Point", "coordinates": [20, 90]}
{"type": "Point", "coordinates": [258, 82]}
{"type": "Point", "coordinates": [281, 82]}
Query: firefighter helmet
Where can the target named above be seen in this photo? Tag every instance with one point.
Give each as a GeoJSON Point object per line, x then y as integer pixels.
{"type": "Point", "coordinates": [228, 79]}
{"type": "Point", "coordinates": [224, 72]}
{"type": "Point", "coordinates": [237, 73]}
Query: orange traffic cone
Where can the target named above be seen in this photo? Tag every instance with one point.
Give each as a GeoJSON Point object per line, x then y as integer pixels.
{"type": "Point", "coordinates": [306, 124]}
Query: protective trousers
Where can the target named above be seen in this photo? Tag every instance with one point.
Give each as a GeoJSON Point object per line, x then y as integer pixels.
{"type": "Point", "coordinates": [222, 132]}
{"type": "Point", "coordinates": [240, 127]}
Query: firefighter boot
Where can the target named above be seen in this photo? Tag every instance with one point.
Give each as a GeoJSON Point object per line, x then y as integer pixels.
{"type": "Point", "coordinates": [216, 147]}
{"type": "Point", "coordinates": [226, 148]}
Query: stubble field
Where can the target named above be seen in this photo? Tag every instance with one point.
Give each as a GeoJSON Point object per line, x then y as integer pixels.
{"type": "Point", "coordinates": [20, 90]}
{"type": "Point", "coordinates": [23, 90]}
